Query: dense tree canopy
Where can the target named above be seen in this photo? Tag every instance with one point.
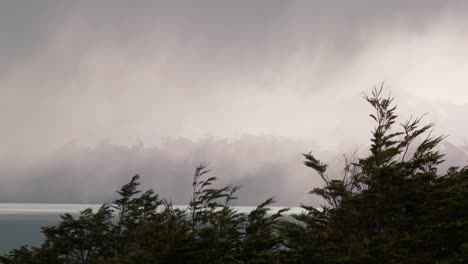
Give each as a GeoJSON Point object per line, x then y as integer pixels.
{"type": "Point", "coordinates": [392, 206]}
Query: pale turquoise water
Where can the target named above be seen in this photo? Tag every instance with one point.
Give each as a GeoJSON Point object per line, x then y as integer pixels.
{"type": "Point", "coordinates": [20, 224]}
{"type": "Point", "coordinates": [18, 230]}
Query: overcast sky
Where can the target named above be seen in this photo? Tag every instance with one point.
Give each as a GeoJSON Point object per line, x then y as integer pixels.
{"type": "Point", "coordinates": [206, 72]}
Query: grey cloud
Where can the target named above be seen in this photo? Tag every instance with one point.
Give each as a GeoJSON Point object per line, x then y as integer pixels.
{"type": "Point", "coordinates": [92, 70]}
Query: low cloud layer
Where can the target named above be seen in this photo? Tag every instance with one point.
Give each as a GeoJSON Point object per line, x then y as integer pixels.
{"type": "Point", "coordinates": [88, 175]}
{"type": "Point", "coordinates": [264, 166]}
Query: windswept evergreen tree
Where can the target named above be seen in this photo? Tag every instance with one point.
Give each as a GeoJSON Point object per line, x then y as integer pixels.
{"type": "Point", "coordinates": [381, 209]}
{"type": "Point", "coordinates": [224, 235]}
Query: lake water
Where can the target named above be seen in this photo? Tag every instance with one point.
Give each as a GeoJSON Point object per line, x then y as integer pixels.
{"type": "Point", "coordinates": [20, 224]}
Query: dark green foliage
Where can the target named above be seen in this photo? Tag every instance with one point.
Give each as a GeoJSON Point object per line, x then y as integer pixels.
{"type": "Point", "coordinates": [262, 241]}
{"type": "Point", "coordinates": [389, 207]}
{"type": "Point", "coordinates": [18, 256]}
{"type": "Point", "coordinates": [80, 240]}
{"type": "Point", "coordinates": [216, 226]}
{"type": "Point", "coordinates": [222, 235]}
{"type": "Point", "coordinates": [133, 213]}
{"type": "Point", "coordinates": [163, 238]}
